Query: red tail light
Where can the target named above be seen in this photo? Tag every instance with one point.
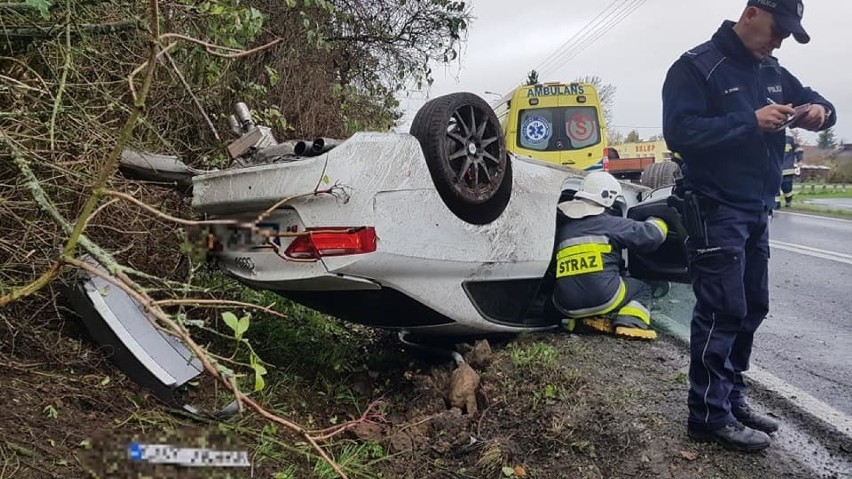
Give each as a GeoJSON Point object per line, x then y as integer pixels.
{"type": "Point", "coordinates": [332, 241]}
{"type": "Point", "coordinates": [606, 159]}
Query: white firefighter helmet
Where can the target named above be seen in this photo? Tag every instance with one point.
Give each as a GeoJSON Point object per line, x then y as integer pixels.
{"type": "Point", "coordinates": [598, 190]}
{"type": "Point", "coordinates": [600, 187]}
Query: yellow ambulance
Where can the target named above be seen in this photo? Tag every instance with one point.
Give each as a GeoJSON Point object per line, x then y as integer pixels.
{"type": "Point", "coordinates": [561, 123]}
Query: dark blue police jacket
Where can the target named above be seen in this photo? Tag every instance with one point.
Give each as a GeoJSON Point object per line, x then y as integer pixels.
{"type": "Point", "coordinates": [709, 101]}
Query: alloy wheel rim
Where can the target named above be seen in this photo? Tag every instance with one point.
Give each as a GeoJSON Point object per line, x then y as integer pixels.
{"type": "Point", "coordinates": [473, 154]}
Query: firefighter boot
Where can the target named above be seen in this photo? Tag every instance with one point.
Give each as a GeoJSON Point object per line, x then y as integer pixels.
{"type": "Point", "coordinates": [599, 324]}
{"type": "Point", "coordinates": [749, 417]}
{"type": "Point", "coordinates": [633, 321]}
{"type": "Point", "coordinates": [631, 327]}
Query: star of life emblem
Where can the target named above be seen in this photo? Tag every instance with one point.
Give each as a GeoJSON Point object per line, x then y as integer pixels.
{"type": "Point", "coordinates": [536, 130]}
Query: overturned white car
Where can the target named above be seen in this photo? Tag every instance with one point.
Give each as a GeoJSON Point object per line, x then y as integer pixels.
{"type": "Point", "coordinates": [434, 232]}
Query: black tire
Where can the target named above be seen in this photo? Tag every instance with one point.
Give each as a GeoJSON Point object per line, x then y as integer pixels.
{"type": "Point", "coordinates": [465, 151]}
{"type": "Point", "coordinates": [658, 175]}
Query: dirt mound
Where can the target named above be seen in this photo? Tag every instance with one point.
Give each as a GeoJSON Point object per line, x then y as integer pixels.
{"type": "Point", "coordinates": [554, 406]}
{"type": "Point", "coordinates": [546, 406]}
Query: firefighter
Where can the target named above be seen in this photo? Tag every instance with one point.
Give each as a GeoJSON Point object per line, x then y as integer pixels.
{"type": "Point", "coordinates": [590, 290]}
{"type": "Point", "coordinates": [793, 157]}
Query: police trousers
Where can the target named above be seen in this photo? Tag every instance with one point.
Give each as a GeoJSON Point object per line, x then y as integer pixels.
{"type": "Point", "coordinates": [730, 278]}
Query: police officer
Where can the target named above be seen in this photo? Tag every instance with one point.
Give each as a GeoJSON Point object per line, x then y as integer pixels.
{"type": "Point", "coordinates": [723, 104]}
{"type": "Point", "coordinates": [793, 156]}
{"type": "Point", "coordinates": [589, 243]}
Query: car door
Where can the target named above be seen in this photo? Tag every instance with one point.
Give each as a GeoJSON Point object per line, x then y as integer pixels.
{"type": "Point", "coordinates": [668, 262]}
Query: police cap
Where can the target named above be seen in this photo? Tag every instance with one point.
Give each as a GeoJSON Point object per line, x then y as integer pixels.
{"type": "Point", "coordinates": [788, 16]}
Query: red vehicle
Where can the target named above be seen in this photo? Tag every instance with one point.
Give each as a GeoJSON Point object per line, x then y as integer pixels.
{"type": "Point", "coordinates": [626, 168]}
{"type": "Point", "coordinates": [648, 163]}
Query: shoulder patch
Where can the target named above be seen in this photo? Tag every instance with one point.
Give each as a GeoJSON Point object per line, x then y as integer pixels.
{"type": "Point", "coordinates": [699, 50]}
{"type": "Point", "coordinates": [706, 57]}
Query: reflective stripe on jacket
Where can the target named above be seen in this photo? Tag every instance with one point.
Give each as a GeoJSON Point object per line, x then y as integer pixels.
{"type": "Point", "coordinates": [588, 260]}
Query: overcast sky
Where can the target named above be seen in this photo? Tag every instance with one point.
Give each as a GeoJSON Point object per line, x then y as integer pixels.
{"type": "Point", "coordinates": [508, 38]}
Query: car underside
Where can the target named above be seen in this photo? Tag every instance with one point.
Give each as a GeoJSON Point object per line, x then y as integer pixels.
{"type": "Point", "coordinates": [374, 232]}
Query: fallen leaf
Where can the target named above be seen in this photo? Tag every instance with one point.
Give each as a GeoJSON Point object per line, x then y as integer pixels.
{"type": "Point", "coordinates": [689, 455]}
{"type": "Point", "coordinates": [520, 471]}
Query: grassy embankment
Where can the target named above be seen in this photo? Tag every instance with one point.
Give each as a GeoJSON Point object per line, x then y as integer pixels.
{"type": "Point", "coordinates": [806, 193]}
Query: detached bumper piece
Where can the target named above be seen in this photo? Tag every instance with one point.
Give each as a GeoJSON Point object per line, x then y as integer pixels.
{"type": "Point", "coordinates": [117, 322]}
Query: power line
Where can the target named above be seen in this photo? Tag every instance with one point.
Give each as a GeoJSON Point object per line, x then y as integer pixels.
{"type": "Point", "coordinates": [613, 11]}
{"type": "Point", "coordinates": [592, 29]}
{"type": "Point", "coordinates": [565, 45]}
{"type": "Point", "coordinates": [591, 37]}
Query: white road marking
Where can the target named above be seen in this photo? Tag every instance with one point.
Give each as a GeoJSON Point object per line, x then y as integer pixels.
{"type": "Point", "coordinates": [815, 252]}
{"type": "Point", "coordinates": [803, 401]}
{"type": "Point", "coordinates": [816, 217]}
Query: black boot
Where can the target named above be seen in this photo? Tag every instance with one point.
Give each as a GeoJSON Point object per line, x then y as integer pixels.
{"type": "Point", "coordinates": [749, 417]}
{"type": "Point", "coordinates": [734, 436]}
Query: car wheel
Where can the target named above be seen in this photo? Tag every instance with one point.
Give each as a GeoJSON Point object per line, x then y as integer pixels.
{"type": "Point", "coordinates": [658, 175]}
{"type": "Point", "coordinates": [466, 155]}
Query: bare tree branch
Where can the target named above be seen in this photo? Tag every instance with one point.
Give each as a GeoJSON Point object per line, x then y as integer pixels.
{"type": "Point", "coordinates": [217, 303]}
{"type": "Point", "coordinates": [127, 285]}
{"type": "Point", "coordinates": [76, 30]}
{"type": "Point", "coordinates": [192, 95]}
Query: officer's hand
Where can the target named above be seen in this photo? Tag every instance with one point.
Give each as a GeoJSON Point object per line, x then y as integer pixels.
{"type": "Point", "coordinates": [813, 119]}
{"type": "Point", "coordinates": [770, 117]}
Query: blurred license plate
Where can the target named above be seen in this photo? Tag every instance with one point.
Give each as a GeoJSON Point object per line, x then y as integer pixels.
{"type": "Point", "coordinates": [246, 239]}
{"type": "Point", "coordinates": [183, 456]}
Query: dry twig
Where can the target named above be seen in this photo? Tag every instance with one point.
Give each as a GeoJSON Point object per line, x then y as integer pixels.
{"type": "Point", "coordinates": [131, 288]}
{"type": "Point", "coordinates": [217, 303]}
{"type": "Point", "coordinates": [71, 160]}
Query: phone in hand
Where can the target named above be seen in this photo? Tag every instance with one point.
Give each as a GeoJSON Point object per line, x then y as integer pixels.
{"type": "Point", "coordinates": [798, 114]}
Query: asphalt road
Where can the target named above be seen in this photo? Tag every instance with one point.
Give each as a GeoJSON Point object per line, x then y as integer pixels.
{"type": "Point", "coordinates": [807, 338]}
{"type": "Point", "coordinates": [832, 202]}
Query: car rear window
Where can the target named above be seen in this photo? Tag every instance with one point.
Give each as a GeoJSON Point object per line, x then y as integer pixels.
{"type": "Point", "coordinates": [559, 128]}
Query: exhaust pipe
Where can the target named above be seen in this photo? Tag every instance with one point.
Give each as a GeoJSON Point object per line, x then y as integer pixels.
{"type": "Point", "coordinates": [244, 116]}
{"type": "Point", "coordinates": [317, 147]}
{"type": "Point", "coordinates": [322, 145]}
{"type": "Point", "coordinates": [301, 148]}
{"type": "Point", "coordinates": [234, 125]}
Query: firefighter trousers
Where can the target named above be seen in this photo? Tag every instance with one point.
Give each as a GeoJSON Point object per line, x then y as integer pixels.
{"type": "Point", "coordinates": [629, 306]}
{"type": "Point", "coordinates": [787, 189]}
{"type": "Point", "coordinates": [729, 268]}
